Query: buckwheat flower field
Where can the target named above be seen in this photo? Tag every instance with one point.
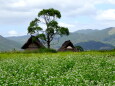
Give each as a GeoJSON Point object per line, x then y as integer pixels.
{"type": "Point", "coordinates": [57, 69]}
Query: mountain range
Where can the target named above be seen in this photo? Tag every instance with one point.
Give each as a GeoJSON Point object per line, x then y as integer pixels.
{"type": "Point", "coordinates": [101, 39]}
{"type": "Point", "coordinates": [105, 36]}
{"type": "Point", "coordinates": [7, 45]}
{"type": "Point", "coordinates": [95, 45]}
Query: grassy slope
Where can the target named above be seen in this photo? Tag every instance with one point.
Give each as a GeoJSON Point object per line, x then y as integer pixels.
{"type": "Point", "coordinates": [67, 69]}
{"type": "Point", "coordinates": [6, 44]}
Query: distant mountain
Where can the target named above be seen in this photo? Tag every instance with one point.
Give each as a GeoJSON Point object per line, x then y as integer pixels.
{"type": "Point", "coordinates": [19, 39]}
{"type": "Point", "coordinates": [106, 36]}
{"type": "Point", "coordinates": [6, 44]}
{"type": "Point", "coordinates": [86, 31]}
{"type": "Point", "coordinates": [106, 31]}
{"type": "Point", "coordinates": [94, 45]}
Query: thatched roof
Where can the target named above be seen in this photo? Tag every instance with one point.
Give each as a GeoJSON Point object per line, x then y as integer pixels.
{"type": "Point", "coordinates": [31, 41]}
{"type": "Point", "coordinates": [67, 46]}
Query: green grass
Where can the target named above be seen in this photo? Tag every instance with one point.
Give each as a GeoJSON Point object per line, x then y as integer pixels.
{"type": "Point", "coordinates": [57, 69]}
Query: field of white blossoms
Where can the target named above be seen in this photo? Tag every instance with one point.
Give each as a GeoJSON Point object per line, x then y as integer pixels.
{"type": "Point", "coordinates": [57, 69]}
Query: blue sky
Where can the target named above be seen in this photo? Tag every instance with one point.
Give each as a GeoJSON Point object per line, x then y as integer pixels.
{"type": "Point", "coordinates": [15, 15]}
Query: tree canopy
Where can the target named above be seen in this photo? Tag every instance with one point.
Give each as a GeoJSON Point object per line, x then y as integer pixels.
{"type": "Point", "coordinates": [48, 17]}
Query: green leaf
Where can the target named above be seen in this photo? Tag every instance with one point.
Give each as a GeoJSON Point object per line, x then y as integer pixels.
{"type": "Point", "coordinates": [50, 12]}
{"type": "Point", "coordinates": [34, 27]}
{"type": "Point", "coordinates": [63, 31]}
{"type": "Point", "coordinates": [38, 29]}
{"type": "Point", "coordinates": [41, 36]}
{"type": "Point", "coordinates": [53, 24]}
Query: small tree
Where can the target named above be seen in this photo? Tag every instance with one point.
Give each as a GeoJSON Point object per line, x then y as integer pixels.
{"type": "Point", "coordinates": [79, 48]}
{"type": "Point", "coordinates": [49, 18]}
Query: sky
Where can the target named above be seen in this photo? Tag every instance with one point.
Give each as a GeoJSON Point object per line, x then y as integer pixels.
{"type": "Point", "coordinates": [15, 15]}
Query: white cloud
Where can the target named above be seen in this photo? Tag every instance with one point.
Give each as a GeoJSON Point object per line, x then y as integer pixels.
{"type": "Point", "coordinates": [14, 10]}
{"type": "Point", "coordinates": [66, 25]}
{"type": "Point", "coordinates": [71, 27]}
{"type": "Point", "coordinates": [106, 15]}
{"type": "Point", "coordinates": [65, 7]}
{"type": "Point", "coordinates": [13, 33]}
{"type": "Point", "coordinates": [18, 4]}
{"type": "Point", "coordinates": [21, 12]}
{"type": "Point", "coordinates": [25, 10]}
{"type": "Point", "coordinates": [111, 1]}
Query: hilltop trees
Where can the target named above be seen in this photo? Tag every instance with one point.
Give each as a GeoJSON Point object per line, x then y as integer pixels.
{"type": "Point", "coordinates": [47, 17]}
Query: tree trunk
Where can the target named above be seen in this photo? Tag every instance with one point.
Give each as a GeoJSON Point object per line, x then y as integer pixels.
{"type": "Point", "coordinates": [48, 38]}
{"type": "Point", "coordinates": [48, 45]}
{"type": "Point", "coordinates": [48, 41]}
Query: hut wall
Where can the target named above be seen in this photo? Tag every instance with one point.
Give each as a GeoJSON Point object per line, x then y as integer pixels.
{"type": "Point", "coordinates": [32, 46]}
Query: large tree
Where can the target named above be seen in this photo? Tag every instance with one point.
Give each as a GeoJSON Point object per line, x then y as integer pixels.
{"type": "Point", "coordinates": [48, 17]}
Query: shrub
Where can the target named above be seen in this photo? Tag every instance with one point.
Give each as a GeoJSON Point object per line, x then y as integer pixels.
{"type": "Point", "coordinates": [79, 48]}
{"type": "Point", "coordinates": [41, 50]}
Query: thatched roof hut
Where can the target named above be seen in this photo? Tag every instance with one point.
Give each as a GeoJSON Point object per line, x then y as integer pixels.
{"type": "Point", "coordinates": [32, 44]}
{"type": "Point", "coordinates": [67, 46]}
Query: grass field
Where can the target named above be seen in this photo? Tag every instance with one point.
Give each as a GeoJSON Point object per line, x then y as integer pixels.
{"type": "Point", "coordinates": [57, 69]}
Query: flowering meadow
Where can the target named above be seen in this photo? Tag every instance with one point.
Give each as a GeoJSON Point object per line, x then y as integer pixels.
{"type": "Point", "coordinates": [57, 69]}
